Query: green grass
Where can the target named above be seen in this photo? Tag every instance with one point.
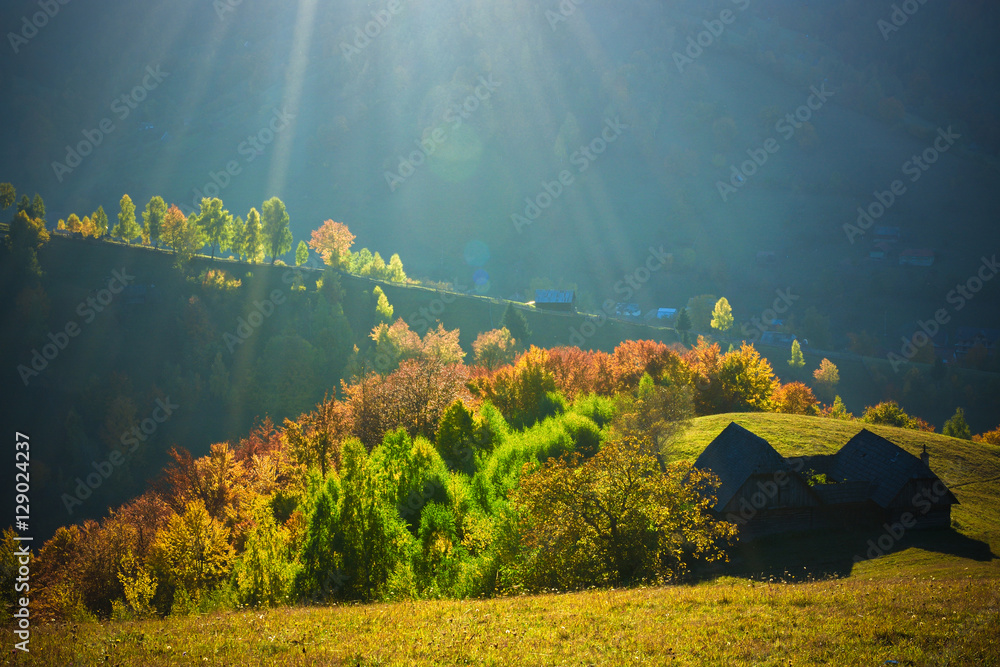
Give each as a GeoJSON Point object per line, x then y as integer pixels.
{"type": "Point", "coordinates": [925, 604]}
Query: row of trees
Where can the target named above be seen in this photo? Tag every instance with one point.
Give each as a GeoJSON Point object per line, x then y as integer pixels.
{"type": "Point", "coordinates": [266, 232]}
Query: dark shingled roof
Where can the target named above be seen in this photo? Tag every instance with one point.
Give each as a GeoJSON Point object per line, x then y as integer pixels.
{"type": "Point", "coordinates": [734, 456]}
{"type": "Point", "coordinates": [871, 458]}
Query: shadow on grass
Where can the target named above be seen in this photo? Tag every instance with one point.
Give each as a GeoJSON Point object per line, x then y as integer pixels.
{"type": "Point", "coordinates": [832, 554]}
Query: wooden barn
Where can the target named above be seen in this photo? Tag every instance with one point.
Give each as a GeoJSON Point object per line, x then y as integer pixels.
{"type": "Point", "coordinates": [869, 482]}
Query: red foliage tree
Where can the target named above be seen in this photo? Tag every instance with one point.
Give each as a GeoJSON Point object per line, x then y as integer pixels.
{"type": "Point", "coordinates": [333, 241]}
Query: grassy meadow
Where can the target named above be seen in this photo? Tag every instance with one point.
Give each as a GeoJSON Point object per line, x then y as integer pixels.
{"type": "Point", "coordinates": [935, 600]}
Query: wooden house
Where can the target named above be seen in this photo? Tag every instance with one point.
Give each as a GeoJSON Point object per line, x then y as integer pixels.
{"type": "Point", "coordinates": [868, 483]}
{"type": "Point", "coordinates": [553, 299]}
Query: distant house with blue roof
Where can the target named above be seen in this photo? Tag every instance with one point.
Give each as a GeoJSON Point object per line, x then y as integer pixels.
{"type": "Point", "coordinates": [555, 299]}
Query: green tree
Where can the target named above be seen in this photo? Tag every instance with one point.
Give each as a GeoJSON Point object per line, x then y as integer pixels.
{"type": "Point", "coordinates": [797, 361]}
{"type": "Point", "coordinates": [320, 577]}
{"type": "Point", "coordinates": [456, 438]}
{"type": "Point", "coordinates": [700, 310]}
{"type": "Point", "coordinates": [374, 539]}
{"type": "Point", "coordinates": [888, 413]}
{"type": "Point", "coordinates": [394, 271]}
{"type": "Point", "coordinates": [152, 220]}
{"type": "Point", "coordinates": [215, 223]}
{"type": "Point", "coordinates": [8, 195]}
{"type": "Point", "coordinates": [683, 325]}
{"type": "Point", "coordinates": [38, 207]}
{"type": "Point", "coordinates": [24, 205]}
{"type": "Point", "coordinates": [957, 427]}
{"type": "Point", "coordinates": [274, 221]}
{"type": "Point", "coordinates": [127, 228]}
{"type": "Point", "coordinates": [722, 316]}
{"type": "Point", "coordinates": [263, 574]}
{"type": "Point", "coordinates": [516, 323]}
{"type": "Point", "coordinates": [237, 235]}
{"type": "Point", "coordinates": [100, 220]}
{"type": "Point", "coordinates": [301, 254]}
{"type": "Point", "coordinates": [253, 244]}
{"type": "Point", "coordinates": [383, 309]}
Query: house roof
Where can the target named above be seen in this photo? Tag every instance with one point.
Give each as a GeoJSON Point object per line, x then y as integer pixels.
{"type": "Point", "coordinates": [553, 296]}
{"type": "Point", "coordinates": [868, 457]}
{"type": "Point", "coordinates": [734, 456]}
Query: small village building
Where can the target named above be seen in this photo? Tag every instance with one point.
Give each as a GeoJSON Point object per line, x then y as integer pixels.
{"type": "Point", "coordinates": [869, 482]}
{"type": "Point", "coordinates": [914, 257]}
{"type": "Point", "coordinates": [553, 299]}
{"type": "Point", "coordinates": [661, 315]}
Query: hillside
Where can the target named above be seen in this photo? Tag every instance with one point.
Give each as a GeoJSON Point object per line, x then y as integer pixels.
{"type": "Point", "coordinates": [917, 606]}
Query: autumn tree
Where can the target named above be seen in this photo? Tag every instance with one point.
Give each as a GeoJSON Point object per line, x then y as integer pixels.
{"type": "Point", "coordinates": [100, 220]}
{"type": "Point", "coordinates": [192, 553]}
{"type": "Point", "coordinates": [315, 438]}
{"type": "Point", "coordinates": [333, 241]}
{"type": "Point", "coordinates": [639, 523]}
{"type": "Point", "coordinates": [747, 380]}
{"type": "Point", "coordinates": [989, 438]}
{"type": "Point", "coordinates": [126, 229]}
{"type": "Point", "coordinates": [152, 220]}
{"type": "Point", "coordinates": [494, 348]}
{"type": "Point", "coordinates": [722, 316]}
{"type": "Point", "coordinates": [523, 393]}
{"type": "Point", "coordinates": [827, 377]}
{"type": "Point", "coordinates": [274, 222]}
{"type": "Point", "coordinates": [794, 398]}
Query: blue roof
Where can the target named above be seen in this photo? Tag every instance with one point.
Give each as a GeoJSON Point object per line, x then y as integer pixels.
{"type": "Point", "coordinates": [553, 296]}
